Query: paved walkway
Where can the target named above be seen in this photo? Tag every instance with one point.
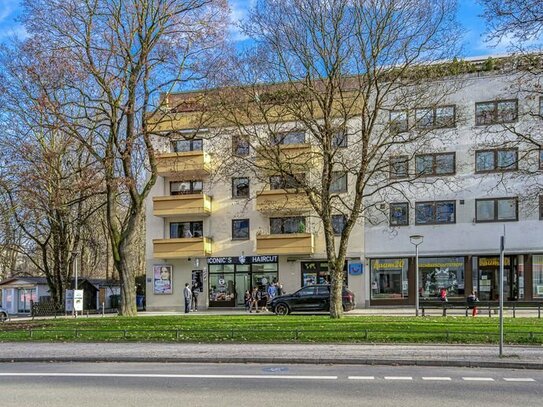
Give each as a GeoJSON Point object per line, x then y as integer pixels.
{"type": "Point", "coordinates": [421, 355]}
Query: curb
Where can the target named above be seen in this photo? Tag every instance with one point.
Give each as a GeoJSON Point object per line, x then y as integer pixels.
{"type": "Point", "coordinates": [265, 360]}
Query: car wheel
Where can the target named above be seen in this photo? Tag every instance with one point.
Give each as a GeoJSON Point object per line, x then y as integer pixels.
{"type": "Point", "coordinates": [282, 309]}
{"type": "Point", "coordinates": [3, 316]}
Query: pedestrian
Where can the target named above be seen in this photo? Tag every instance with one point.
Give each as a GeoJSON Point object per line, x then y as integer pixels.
{"type": "Point", "coordinates": [187, 295]}
{"type": "Point", "coordinates": [279, 289]}
{"type": "Point", "coordinates": [255, 297]}
{"type": "Point", "coordinates": [443, 294]}
{"type": "Point", "coordinates": [247, 300]}
{"type": "Point", "coordinates": [272, 291]}
{"type": "Point", "coordinates": [472, 303]}
{"type": "Point", "coordinates": [195, 293]}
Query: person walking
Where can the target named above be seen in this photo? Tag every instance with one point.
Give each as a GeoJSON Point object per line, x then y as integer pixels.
{"type": "Point", "coordinates": [472, 303]}
{"type": "Point", "coordinates": [247, 300]}
{"type": "Point", "coordinates": [255, 297]}
{"type": "Point", "coordinates": [187, 295]}
{"type": "Point", "coordinates": [195, 293]}
{"type": "Point", "coordinates": [272, 291]}
{"type": "Point", "coordinates": [443, 294]}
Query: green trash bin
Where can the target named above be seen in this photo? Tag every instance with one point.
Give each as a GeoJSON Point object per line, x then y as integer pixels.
{"type": "Point", "coordinates": [115, 300]}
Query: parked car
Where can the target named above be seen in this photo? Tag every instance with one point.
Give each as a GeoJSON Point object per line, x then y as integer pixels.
{"type": "Point", "coordinates": [4, 316]}
{"type": "Point", "coordinates": [309, 299]}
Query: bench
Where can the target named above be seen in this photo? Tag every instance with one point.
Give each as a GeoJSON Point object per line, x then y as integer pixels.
{"type": "Point", "coordinates": [481, 305]}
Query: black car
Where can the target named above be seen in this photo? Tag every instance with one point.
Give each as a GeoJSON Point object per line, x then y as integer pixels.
{"type": "Point", "coordinates": [308, 299]}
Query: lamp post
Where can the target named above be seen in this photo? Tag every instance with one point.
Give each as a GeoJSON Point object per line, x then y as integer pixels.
{"type": "Point", "coordinates": [75, 254]}
{"type": "Point", "coordinates": [416, 240]}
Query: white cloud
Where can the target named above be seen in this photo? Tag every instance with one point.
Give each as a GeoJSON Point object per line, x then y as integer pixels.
{"type": "Point", "coordinates": [239, 10]}
{"type": "Point", "coordinates": [6, 9]}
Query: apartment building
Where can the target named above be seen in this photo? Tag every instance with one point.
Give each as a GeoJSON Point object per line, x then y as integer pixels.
{"type": "Point", "coordinates": [226, 236]}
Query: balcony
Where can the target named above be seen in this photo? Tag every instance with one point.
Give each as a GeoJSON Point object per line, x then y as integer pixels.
{"type": "Point", "coordinates": [282, 201]}
{"type": "Point", "coordinates": [293, 157]}
{"type": "Point", "coordinates": [184, 247]}
{"type": "Point", "coordinates": [189, 164]}
{"type": "Point", "coordinates": [182, 205]}
{"type": "Point", "coordinates": [292, 243]}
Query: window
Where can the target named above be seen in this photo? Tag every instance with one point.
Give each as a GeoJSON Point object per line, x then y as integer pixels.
{"type": "Point", "coordinates": [437, 117]}
{"type": "Point", "coordinates": [339, 140]}
{"type": "Point", "coordinates": [541, 159]}
{"type": "Point", "coordinates": [389, 279]}
{"type": "Point", "coordinates": [286, 182]}
{"type": "Point", "coordinates": [435, 164]}
{"type": "Point", "coordinates": [186, 229]}
{"type": "Point", "coordinates": [541, 106]}
{"type": "Point", "coordinates": [441, 272]}
{"type": "Point", "coordinates": [399, 167]}
{"type": "Point", "coordinates": [501, 111]}
{"type": "Point", "coordinates": [307, 292]}
{"type": "Point", "coordinates": [540, 207]}
{"type": "Point", "coordinates": [496, 160]}
{"type": "Point", "coordinates": [537, 276]}
{"type": "Point", "coordinates": [240, 229]}
{"type": "Point", "coordinates": [435, 213]}
{"type": "Point", "coordinates": [338, 224]}
{"type": "Point", "coordinates": [399, 214]}
{"type": "Point", "coordinates": [240, 146]}
{"type": "Point", "coordinates": [181, 146]}
{"type": "Point", "coordinates": [280, 226]}
{"type": "Point", "coordinates": [186, 187]}
{"type": "Point", "coordinates": [317, 272]}
{"type": "Point", "coordinates": [398, 121]}
{"type": "Point", "coordinates": [240, 187]}
{"type": "Point", "coordinates": [496, 210]}
{"type": "Point", "coordinates": [339, 182]}
{"type": "Point", "coordinates": [294, 137]}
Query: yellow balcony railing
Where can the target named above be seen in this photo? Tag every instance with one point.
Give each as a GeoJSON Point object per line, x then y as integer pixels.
{"type": "Point", "coordinates": [292, 157]}
{"type": "Point", "coordinates": [182, 205]}
{"type": "Point", "coordinates": [288, 243]}
{"type": "Point", "coordinates": [282, 201]}
{"type": "Point", "coordinates": [184, 247]}
{"type": "Point", "coordinates": [188, 164]}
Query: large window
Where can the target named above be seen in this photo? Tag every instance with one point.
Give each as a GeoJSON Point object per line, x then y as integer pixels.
{"type": "Point", "coordinates": [441, 272]}
{"type": "Point", "coordinates": [496, 210]}
{"type": "Point", "coordinates": [240, 229]}
{"type": "Point", "coordinates": [317, 272]}
{"type": "Point", "coordinates": [435, 164]}
{"type": "Point", "coordinates": [240, 187]}
{"type": "Point", "coordinates": [496, 160]}
{"type": "Point", "coordinates": [500, 111]}
{"type": "Point", "coordinates": [338, 224]}
{"type": "Point", "coordinates": [435, 213]}
{"type": "Point", "coordinates": [186, 187]}
{"type": "Point", "coordinates": [399, 214]}
{"type": "Point", "coordinates": [339, 140]}
{"type": "Point", "coordinates": [293, 137]}
{"type": "Point", "coordinates": [240, 146]}
{"type": "Point", "coordinates": [537, 273]}
{"type": "Point", "coordinates": [399, 166]}
{"type": "Point", "coordinates": [398, 121]}
{"type": "Point", "coordinates": [389, 279]}
{"type": "Point", "coordinates": [295, 224]}
{"type": "Point", "coordinates": [186, 229]}
{"type": "Point", "coordinates": [339, 182]}
{"type": "Point", "coordinates": [181, 146]}
{"type": "Point", "coordinates": [287, 181]}
{"type": "Point", "coordinates": [437, 117]}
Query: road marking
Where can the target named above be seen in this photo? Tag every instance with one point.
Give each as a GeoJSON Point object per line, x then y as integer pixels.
{"type": "Point", "coordinates": [518, 379]}
{"type": "Point", "coordinates": [398, 378]}
{"type": "Point", "coordinates": [478, 379]}
{"type": "Point", "coordinates": [437, 378]}
{"type": "Point", "coordinates": [174, 376]}
{"type": "Point", "coordinates": [361, 377]}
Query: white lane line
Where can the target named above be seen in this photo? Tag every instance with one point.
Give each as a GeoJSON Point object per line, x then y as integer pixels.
{"type": "Point", "coordinates": [518, 379]}
{"type": "Point", "coordinates": [398, 378]}
{"type": "Point", "coordinates": [361, 377]}
{"type": "Point", "coordinates": [437, 378]}
{"type": "Point", "coordinates": [175, 376]}
{"type": "Point", "coordinates": [478, 379]}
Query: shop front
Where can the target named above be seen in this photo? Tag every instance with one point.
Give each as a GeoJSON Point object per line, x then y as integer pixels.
{"type": "Point", "coordinates": [230, 277]}
{"type": "Point", "coordinates": [389, 281]}
{"type": "Point", "coordinates": [486, 279]}
{"type": "Point", "coordinates": [436, 273]}
{"type": "Point", "coordinates": [317, 272]}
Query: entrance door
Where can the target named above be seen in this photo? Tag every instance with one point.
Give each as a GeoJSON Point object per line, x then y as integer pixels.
{"type": "Point", "coordinates": [243, 283]}
{"type": "Point", "coordinates": [489, 282]}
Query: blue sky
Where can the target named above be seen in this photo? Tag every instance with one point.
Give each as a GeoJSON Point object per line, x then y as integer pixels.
{"type": "Point", "coordinates": [468, 16]}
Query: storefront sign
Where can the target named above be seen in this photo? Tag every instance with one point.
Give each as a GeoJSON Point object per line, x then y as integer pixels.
{"type": "Point", "coordinates": [356, 269]}
{"type": "Point", "coordinates": [388, 264]}
{"type": "Point", "coordinates": [242, 260]}
{"type": "Point", "coordinates": [493, 261]}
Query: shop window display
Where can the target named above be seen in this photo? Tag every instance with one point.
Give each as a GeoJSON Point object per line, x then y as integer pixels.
{"type": "Point", "coordinates": [537, 270]}
{"type": "Point", "coordinates": [441, 272]}
{"type": "Point", "coordinates": [389, 278]}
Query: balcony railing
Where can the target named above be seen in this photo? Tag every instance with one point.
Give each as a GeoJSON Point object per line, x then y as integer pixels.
{"type": "Point", "coordinates": [182, 205]}
{"type": "Point", "coordinates": [299, 157]}
{"type": "Point", "coordinates": [182, 247]}
{"type": "Point", "coordinates": [288, 243]}
{"type": "Point", "coordinates": [193, 164]}
{"type": "Point", "coordinates": [282, 201]}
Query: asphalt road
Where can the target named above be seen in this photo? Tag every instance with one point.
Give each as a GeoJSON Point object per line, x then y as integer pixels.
{"type": "Point", "coordinates": [149, 384]}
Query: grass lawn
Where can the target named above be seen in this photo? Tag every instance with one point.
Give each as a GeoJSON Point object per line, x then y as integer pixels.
{"type": "Point", "coordinates": [271, 328]}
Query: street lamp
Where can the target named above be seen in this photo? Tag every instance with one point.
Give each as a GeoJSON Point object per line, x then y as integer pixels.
{"type": "Point", "coordinates": [416, 240]}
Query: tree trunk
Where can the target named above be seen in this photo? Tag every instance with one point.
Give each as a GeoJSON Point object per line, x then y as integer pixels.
{"type": "Point", "coordinates": [336, 293]}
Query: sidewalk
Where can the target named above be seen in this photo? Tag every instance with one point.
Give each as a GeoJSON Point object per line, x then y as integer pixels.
{"type": "Point", "coordinates": [417, 355]}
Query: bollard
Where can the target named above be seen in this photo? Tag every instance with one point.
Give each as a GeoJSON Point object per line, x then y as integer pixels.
{"type": "Point", "coordinates": [514, 311]}
{"type": "Point", "coordinates": [103, 309]}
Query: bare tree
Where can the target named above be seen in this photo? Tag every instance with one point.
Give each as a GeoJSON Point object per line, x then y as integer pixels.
{"type": "Point", "coordinates": [116, 57]}
{"type": "Point", "coordinates": [340, 79]}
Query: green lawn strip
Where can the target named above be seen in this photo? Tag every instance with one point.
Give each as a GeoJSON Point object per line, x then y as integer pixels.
{"type": "Point", "coordinates": [270, 328]}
